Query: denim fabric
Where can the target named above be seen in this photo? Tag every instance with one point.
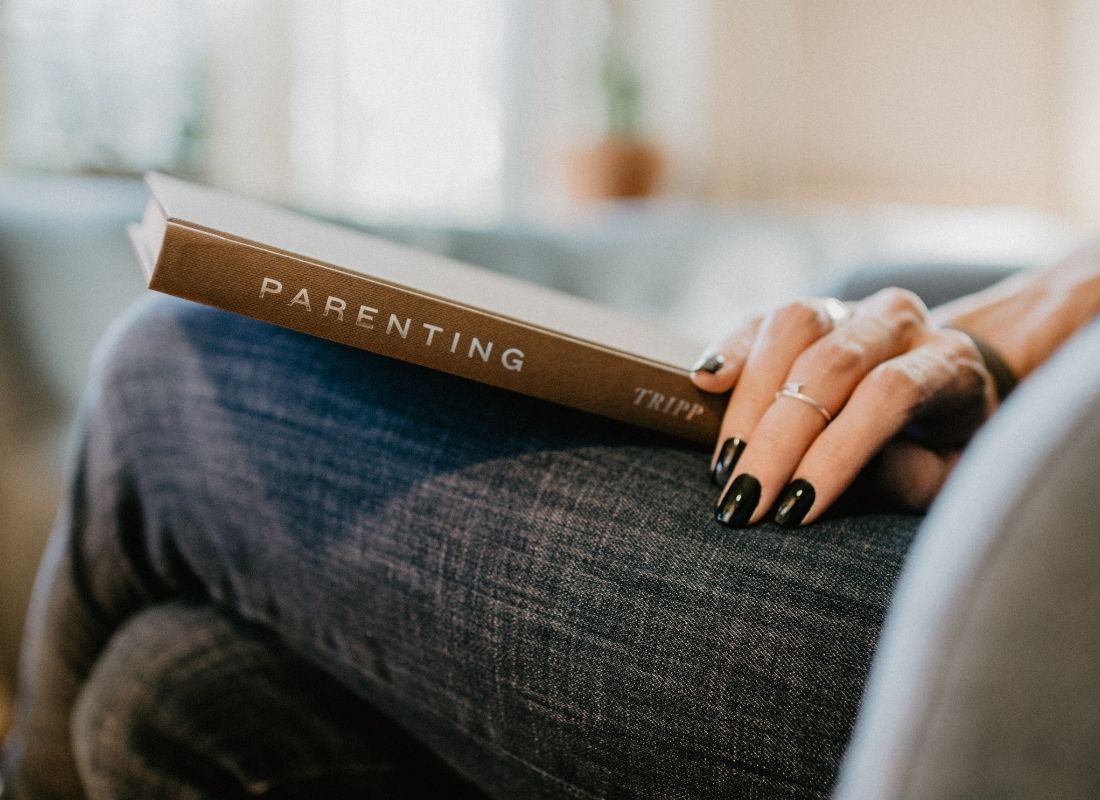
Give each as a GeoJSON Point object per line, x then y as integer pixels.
{"type": "Point", "coordinates": [165, 712]}
{"type": "Point", "coordinates": [539, 596]}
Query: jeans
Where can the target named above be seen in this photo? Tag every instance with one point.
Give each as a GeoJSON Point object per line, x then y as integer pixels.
{"type": "Point", "coordinates": [289, 568]}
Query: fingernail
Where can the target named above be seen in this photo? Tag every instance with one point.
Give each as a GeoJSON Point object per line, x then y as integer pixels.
{"type": "Point", "coordinates": [739, 501]}
{"type": "Point", "coordinates": [709, 362]}
{"type": "Point", "coordinates": [796, 501]}
{"type": "Point", "coordinates": [727, 458]}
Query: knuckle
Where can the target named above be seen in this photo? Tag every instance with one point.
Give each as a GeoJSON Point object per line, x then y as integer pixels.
{"type": "Point", "coordinates": [966, 359]}
{"type": "Point", "coordinates": [975, 381]}
{"type": "Point", "coordinates": [835, 356]}
{"type": "Point", "coordinates": [800, 314]}
{"type": "Point", "coordinates": [907, 323]}
{"type": "Point", "coordinates": [959, 346]}
{"type": "Point", "coordinates": [901, 302]}
{"type": "Point", "coordinates": [898, 384]}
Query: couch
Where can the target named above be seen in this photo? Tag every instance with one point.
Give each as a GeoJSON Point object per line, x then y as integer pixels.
{"type": "Point", "coordinates": [986, 683]}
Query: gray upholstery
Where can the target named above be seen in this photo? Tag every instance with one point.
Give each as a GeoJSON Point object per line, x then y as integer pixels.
{"type": "Point", "coordinates": [987, 681]}
{"type": "Point", "coordinates": [934, 283]}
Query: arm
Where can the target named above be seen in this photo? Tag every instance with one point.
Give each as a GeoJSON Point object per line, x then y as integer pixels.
{"type": "Point", "coordinates": [1028, 316]}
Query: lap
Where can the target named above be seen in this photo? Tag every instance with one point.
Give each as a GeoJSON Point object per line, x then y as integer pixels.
{"type": "Point", "coordinates": [540, 595]}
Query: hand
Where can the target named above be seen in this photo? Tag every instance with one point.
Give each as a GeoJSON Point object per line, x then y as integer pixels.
{"type": "Point", "coordinates": [902, 393]}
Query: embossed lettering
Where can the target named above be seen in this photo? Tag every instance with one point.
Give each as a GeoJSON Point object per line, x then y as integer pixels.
{"type": "Point", "coordinates": [337, 305]}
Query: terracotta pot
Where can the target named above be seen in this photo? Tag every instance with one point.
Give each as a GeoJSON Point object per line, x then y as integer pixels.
{"type": "Point", "coordinates": [617, 167]}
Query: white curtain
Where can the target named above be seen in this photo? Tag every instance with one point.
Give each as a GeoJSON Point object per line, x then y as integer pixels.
{"type": "Point", "coordinates": [93, 86]}
{"type": "Point", "coordinates": [459, 110]}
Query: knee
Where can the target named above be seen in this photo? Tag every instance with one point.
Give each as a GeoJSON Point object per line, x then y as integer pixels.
{"type": "Point", "coordinates": [137, 724]}
{"type": "Point", "coordinates": [114, 704]}
{"type": "Point", "coordinates": [165, 350]}
{"type": "Point", "coordinates": [148, 343]}
{"type": "Point", "coordinates": [168, 364]}
{"type": "Point", "coordinates": [187, 701]}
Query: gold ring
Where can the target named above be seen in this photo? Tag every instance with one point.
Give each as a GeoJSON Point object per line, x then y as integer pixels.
{"type": "Point", "coordinates": [793, 390]}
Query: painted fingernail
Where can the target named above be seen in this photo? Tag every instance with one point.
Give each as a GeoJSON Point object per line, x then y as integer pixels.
{"type": "Point", "coordinates": [727, 459]}
{"type": "Point", "coordinates": [709, 362]}
{"type": "Point", "coordinates": [739, 501]}
{"type": "Point", "coordinates": [796, 501]}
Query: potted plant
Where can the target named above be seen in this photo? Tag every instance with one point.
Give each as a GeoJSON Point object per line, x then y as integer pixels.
{"type": "Point", "coordinates": [623, 164]}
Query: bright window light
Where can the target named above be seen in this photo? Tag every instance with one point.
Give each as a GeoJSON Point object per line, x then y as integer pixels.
{"type": "Point", "coordinates": [95, 86]}
{"type": "Point", "coordinates": [397, 107]}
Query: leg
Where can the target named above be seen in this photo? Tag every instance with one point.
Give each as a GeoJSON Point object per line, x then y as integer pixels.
{"type": "Point", "coordinates": [187, 702]}
{"type": "Point", "coordinates": [539, 595]}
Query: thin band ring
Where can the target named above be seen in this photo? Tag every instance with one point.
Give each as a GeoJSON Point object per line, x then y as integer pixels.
{"type": "Point", "coordinates": [793, 390]}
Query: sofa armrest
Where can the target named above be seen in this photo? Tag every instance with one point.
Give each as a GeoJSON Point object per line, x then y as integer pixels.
{"type": "Point", "coordinates": [934, 283]}
{"type": "Point", "coordinates": [987, 679]}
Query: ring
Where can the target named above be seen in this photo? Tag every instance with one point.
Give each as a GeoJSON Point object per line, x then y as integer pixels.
{"type": "Point", "coordinates": [793, 390]}
{"type": "Point", "coordinates": [836, 310]}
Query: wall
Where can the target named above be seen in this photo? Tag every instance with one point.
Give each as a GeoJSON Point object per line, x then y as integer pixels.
{"type": "Point", "coordinates": [3, 85]}
{"type": "Point", "coordinates": [945, 101]}
{"type": "Point", "coordinates": [1080, 107]}
{"type": "Point", "coordinates": [248, 96]}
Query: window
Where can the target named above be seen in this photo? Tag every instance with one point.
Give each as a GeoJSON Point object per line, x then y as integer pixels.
{"type": "Point", "coordinates": [93, 86]}
{"type": "Point", "coordinates": [398, 107]}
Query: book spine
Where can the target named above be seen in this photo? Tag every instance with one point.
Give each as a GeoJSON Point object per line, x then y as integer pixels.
{"type": "Point", "coordinates": [352, 309]}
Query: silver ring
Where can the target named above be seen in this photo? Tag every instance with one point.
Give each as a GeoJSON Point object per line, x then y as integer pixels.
{"type": "Point", "coordinates": [793, 390]}
{"type": "Point", "coordinates": [836, 310]}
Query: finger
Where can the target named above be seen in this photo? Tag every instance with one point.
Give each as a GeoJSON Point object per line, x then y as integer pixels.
{"type": "Point", "coordinates": [910, 475]}
{"type": "Point", "coordinates": [883, 403]}
{"type": "Point", "coordinates": [825, 375]}
{"type": "Point", "coordinates": [720, 365]}
{"type": "Point", "coordinates": [780, 338]}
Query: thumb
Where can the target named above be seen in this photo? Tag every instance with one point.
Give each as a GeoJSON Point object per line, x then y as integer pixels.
{"type": "Point", "coordinates": [910, 475]}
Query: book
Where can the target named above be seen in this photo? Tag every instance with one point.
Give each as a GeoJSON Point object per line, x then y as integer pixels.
{"type": "Point", "coordinates": [341, 284]}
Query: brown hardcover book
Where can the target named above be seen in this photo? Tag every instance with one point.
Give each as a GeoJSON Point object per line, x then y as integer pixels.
{"type": "Point", "coordinates": [340, 284]}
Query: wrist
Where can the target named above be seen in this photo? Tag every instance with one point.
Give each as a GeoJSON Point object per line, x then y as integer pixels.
{"type": "Point", "coordinates": [1026, 318]}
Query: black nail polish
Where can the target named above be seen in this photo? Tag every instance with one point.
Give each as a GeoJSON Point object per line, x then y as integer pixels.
{"type": "Point", "coordinates": [739, 501]}
{"type": "Point", "coordinates": [709, 362]}
{"type": "Point", "coordinates": [796, 501]}
{"type": "Point", "coordinates": [727, 459]}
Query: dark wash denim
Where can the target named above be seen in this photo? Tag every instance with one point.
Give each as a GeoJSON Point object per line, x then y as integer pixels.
{"type": "Point", "coordinates": [290, 568]}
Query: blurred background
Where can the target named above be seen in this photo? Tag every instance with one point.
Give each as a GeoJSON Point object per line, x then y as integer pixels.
{"type": "Point", "coordinates": [691, 160]}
